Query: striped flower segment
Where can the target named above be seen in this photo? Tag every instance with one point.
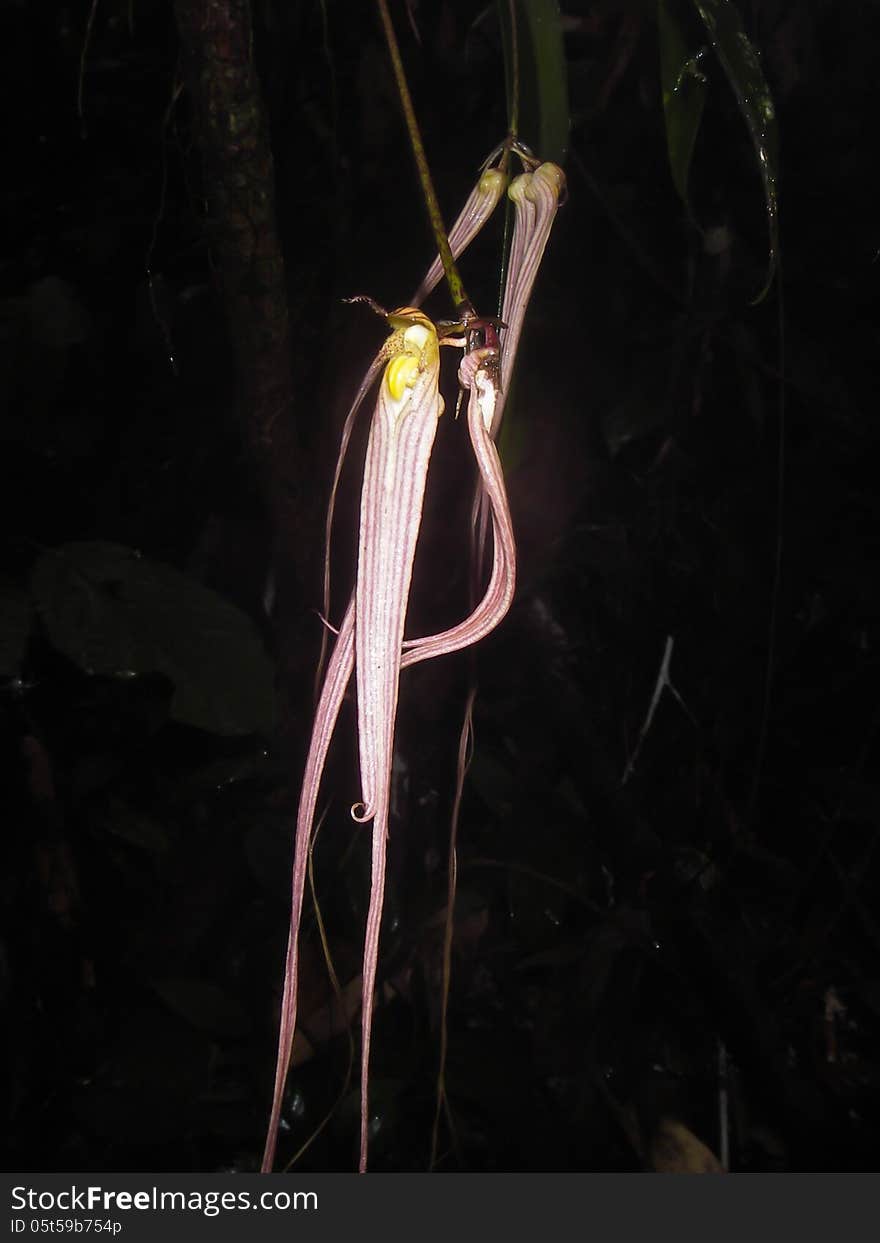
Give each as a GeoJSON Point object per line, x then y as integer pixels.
{"type": "Point", "coordinates": [535, 197]}
{"type": "Point", "coordinates": [480, 204]}
{"type": "Point", "coordinates": [333, 691]}
{"type": "Point", "coordinates": [395, 471]}
{"type": "Point", "coordinates": [398, 452]}
{"type": "Point", "coordinates": [477, 379]}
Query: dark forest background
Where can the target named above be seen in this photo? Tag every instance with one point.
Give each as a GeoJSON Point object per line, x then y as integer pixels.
{"type": "Point", "coordinates": [638, 945]}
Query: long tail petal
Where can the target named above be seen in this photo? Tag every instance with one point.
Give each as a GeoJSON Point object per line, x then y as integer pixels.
{"type": "Point", "coordinates": [535, 197]}
{"type": "Point", "coordinates": [480, 204]}
{"type": "Point", "coordinates": [399, 450]}
{"type": "Point", "coordinates": [333, 691]}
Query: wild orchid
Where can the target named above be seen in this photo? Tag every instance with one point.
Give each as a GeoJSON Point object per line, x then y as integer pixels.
{"type": "Point", "coordinates": [480, 204]}
{"type": "Point", "coordinates": [370, 638]}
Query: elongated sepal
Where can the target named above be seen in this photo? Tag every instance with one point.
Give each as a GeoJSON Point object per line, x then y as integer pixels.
{"type": "Point", "coordinates": [332, 693]}
{"type": "Point", "coordinates": [399, 449]}
{"type": "Point", "coordinates": [480, 204]}
{"type": "Point", "coordinates": [398, 452]}
{"type": "Point", "coordinates": [535, 197]}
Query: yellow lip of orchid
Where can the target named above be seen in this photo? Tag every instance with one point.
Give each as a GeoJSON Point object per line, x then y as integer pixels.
{"type": "Point", "coordinates": [415, 346]}
{"type": "Point", "coordinates": [400, 374]}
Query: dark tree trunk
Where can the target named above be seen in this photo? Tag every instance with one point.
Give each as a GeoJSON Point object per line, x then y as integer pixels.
{"type": "Point", "coordinates": [217, 45]}
{"type": "Point", "coordinates": [239, 178]}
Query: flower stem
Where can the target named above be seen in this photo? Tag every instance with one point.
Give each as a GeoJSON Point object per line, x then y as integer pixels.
{"type": "Point", "coordinates": [513, 73]}
{"type": "Point", "coordinates": [463, 307]}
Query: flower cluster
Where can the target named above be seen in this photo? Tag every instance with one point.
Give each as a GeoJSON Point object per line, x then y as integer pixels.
{"type": "Point", "coordinates": [370, 642]}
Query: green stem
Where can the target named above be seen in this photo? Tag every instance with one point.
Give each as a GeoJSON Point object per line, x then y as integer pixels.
{"type": "Point", "coordinates": [513, 121]}
{"type": "Point", "coordinates": [510, 43]}
{"type": "Point", "coordinates": [463, 307]}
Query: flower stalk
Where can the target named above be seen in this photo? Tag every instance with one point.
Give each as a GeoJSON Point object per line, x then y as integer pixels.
{"type": "Point", "coordinates": [462, 303]}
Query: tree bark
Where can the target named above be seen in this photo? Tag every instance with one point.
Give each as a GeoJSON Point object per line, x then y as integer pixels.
{"type": "Point", "coordinates": [217, 46]}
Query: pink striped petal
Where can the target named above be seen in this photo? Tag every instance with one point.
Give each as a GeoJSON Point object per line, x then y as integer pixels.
{"type": "Point", "coordinates": [480, 204]}
{"type": "Point", "coordinates": [327, 712]}
{"type": "Point", "coordinates": [396, 468]}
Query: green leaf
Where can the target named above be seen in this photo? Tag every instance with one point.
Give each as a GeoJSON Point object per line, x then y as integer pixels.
{"type": "Point", "coordinates": [15, 627]}
{"type": "Point", "coordinates": [740, 62]}
{"type": "Point", "coordinates": [684, 93]}
{"type": "Point", "coordinates": [543, 74]}
{"type": "Point", "coordinates": [114, 612]}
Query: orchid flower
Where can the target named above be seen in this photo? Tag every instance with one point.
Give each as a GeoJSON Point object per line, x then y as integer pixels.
{"type": "Point", "coordinates": [480, 204]}
{"type": "Point", "coordinates": [370, 637]}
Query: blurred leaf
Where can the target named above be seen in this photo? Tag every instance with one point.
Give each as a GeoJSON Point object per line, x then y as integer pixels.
{"type": "Point", "coordinates": [543, 75]}
{"type": "Point", "coordinates": [564, 954]}
{"type": "Point", "coordinates": [229, 770]}
{"type": "Point", "coordinates": [631, 419]}
{"type": "Point", "coordinates": [642, 409]}
{"type": "Point", "coordinates": [134, 827]}
{"type": "Point", "coordinates": [148, 1083]}
{"type": "Point", "coordinates": [676, 1150]}
{"type": "Point", "coordinates": [684, 93]}
{"type": "Point", "coordinates": [113, 612]}
{"type": "Point", "coordinates": [385, 1112]}
{"type": "Point", "coordinates": [513, 436]}
{"type": "Point", "coordinates": [536, 908]}
{"type": "Point", "coordinates": [321, 1025]}
{"type": "Point", "coordinates": [740, 62]}
{"type": "Point", "coordinates": [57, 317]}
{"type": "Point", "coordinates": [860, 801]}
{"type": "Point", "coordinates": [268, 851]}
{"type": "Point", "coordinates": [485, 1070]}
{"type": "Point", "coordinates": [15, 626]}
{"type": "Point", "coordinates": [869, 992]}
{"type": "Point", "coordinates": [493, 781]}
{"type": "Point", "coordinates": [91, 773]}
{"type": "Point", "coordinates": [205, 1006]}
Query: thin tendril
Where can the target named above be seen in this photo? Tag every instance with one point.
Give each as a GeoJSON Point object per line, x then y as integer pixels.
{"type": "Point", "coordinates": [340, 1001]}
{"type": "Point", "coordinates": [773, 622]}
{"type": "Point", "coordinates": [465, 754]}
{"type": "Point", "coordinates": [513, 123]}
{"type": "Point", "coordinates": [87, 38]}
